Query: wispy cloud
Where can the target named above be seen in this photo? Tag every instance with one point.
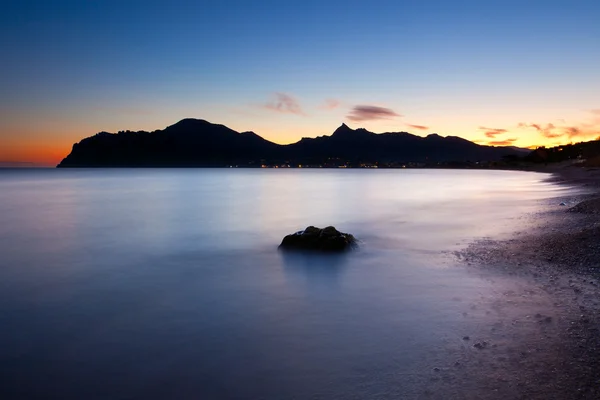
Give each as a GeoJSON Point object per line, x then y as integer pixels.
{"type": "Point", "coordinates": [573, 131]}
{"type": "Point", "coordinates": [370, 113]}
{"type": "Point", "coordinates": [506, 142]}
{"type": "Point", "coordinates": [549, 131]}
{"type": "Point", "coordinates": [330, 104]}
{"type": "Point", "coordinates": [492, 132]}
{"type": "Point", "coordinates": [595, 111]}
{"type": "Point", "coordinates": [420, 127]}
{"type": "Point", "coordinates": [552, 131]}
{"type": "Point", "coordinates": [284, 103]}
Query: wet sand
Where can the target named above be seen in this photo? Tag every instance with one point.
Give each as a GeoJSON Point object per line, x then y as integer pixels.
{"type": "Point", "coordinates": [538, 336]}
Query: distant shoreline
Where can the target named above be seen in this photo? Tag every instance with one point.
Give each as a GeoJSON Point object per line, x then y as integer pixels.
{"type": "Point", "coordinates": [525, 167]}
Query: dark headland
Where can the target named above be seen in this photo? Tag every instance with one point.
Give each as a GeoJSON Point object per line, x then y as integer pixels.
{"type": "Point", "coordinates": [198, 143]}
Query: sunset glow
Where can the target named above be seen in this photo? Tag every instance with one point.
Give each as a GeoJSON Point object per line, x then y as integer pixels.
{"type": "Point", "coordinates": [499, 73]}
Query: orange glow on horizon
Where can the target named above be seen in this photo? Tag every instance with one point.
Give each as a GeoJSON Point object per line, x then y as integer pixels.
{"type": "Point", "coordinates": [39, 154]}
{"type": "Point", "coordinates": [49, 148]}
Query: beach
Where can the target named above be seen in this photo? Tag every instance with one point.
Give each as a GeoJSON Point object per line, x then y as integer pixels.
{"type": "Point", "coordinates": [545, 342]}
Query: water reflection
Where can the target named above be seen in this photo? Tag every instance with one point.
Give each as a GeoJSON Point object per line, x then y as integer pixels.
{"type": "Point", "coordinates": [171, 279]}
{"type": "Point", "coordinates": [314, 267]}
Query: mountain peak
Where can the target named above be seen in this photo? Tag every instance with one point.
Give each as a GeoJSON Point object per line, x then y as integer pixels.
{"type": "Point", "coordinates": [199, 143]}
{"type": "Point", "coordinates": [190, 122]}
{"type": "Point", "coordinates": [342, 129]}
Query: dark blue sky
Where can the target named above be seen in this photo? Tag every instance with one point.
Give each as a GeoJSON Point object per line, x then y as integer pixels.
{"type": "Point", "coordinates": [288, 69]}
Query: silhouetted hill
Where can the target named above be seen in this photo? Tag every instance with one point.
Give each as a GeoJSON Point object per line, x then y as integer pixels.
{"type": "Point", "coordinates": [188, 143]}
{"type": "Point", "coordinates": [576, 151]}
{"type": "Point", "coordinates": [198, 143]}
{"type": "Point", "coordinates": [362, 146]}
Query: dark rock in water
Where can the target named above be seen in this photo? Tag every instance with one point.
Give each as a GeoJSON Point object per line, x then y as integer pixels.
{"type": "Point", "coordinates": [327, 239]}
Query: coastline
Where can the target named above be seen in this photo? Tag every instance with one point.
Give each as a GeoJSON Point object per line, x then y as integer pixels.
{"type": "Point", "coordinates": [552, 323]}
{"type": "Point", "coordinates": [533, 332]}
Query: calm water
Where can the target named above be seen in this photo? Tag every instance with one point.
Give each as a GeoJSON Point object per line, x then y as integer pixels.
{"type": "Point", "coordinates": [168, 283]}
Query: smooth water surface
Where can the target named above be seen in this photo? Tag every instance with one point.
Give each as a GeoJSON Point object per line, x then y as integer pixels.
{"type": "Point", "coordinates": [168, 283]}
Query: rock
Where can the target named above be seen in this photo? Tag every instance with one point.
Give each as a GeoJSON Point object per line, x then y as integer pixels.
{"type": "Point", "coordinates": [327, 239]}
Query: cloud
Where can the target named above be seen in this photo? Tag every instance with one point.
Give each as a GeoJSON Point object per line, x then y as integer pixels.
{"type": "Point", "coordinates": [330, 104]}
{"type": "Point", "coordinates": [573, 131]}
{"type": "Point", "coordinates": [596, 111]}
{"type": "Point", "coordinates": [582, 131]}
{"type": "Point", "coordinates": [537, 127]}
{"type": "Point", "coordinates": [549, 131]}
{"type": "Point", "coordinates": [284, 103]}
{"type": "Point", "coordinates": [421, 127]}
{"type": "Point", "coordinates": [506, 142]}
{"type": "Point", "coordinates": [492, 132]}
{"type": "Point", "coordinates": [370, 113]}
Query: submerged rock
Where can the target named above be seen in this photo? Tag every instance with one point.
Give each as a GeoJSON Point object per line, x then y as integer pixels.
{"type": "Point", "coordinates": [327, 239]}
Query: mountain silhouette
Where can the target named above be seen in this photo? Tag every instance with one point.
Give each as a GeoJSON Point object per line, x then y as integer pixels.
{"type": "Point", "coordinates": [188, 143]}
{"type": "Point", "coordinates": [199, 143]}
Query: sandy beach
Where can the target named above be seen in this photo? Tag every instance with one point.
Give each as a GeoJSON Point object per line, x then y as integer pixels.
{"type": "Point", "coordinates": [539, 338]}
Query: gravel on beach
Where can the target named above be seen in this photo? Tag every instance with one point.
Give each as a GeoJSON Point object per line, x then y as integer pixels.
{"type": "Point", "coordinates": [558, 255]}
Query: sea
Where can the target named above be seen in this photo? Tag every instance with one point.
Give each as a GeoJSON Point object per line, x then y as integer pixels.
{"type": "Point", "coordinates": [168, 283]}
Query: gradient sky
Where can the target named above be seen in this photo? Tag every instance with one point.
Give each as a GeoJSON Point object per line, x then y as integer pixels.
{"type": "Point", "coordinates": [497, 72]}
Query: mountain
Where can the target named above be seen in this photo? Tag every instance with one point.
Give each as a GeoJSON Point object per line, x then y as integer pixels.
{"type": "Point", "coordinates": [188, 143]}
{"type": "Point", "coordinates": [362, 146]}
{"type": "Point", "coordinates": [588, 153]}
{"type": "Point", "coordinates": [198, 143]}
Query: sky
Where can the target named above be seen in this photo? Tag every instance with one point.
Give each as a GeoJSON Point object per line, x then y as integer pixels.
{"type": "Point", "coordinates": [523, 73]}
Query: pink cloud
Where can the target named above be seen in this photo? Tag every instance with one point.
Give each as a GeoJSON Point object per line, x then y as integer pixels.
{"type": "Point", "coordinates": [492, 132]}
{"type": "Point", "coordinates": [284, 103]}
{"type": "Point", "coordinates": [549, 131]}
{"type": "Point", "coordinates": [573, 131]}
{"type": "Point", "coordinates": [420, 127]}
{"type": "Point", "coordinates": [552, 131]}
{"type": "Point", "coordinates": [330, 104]}
{"type": "Point", "coordinates": [370, 113]}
